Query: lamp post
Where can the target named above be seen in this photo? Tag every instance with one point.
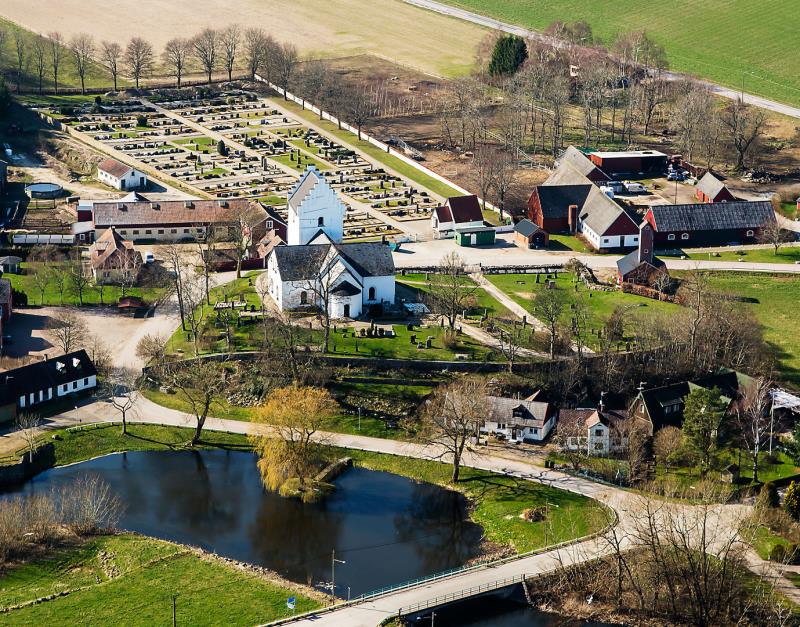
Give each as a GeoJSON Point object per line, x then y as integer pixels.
{"type": "Point", "coordinates": [334, 561]}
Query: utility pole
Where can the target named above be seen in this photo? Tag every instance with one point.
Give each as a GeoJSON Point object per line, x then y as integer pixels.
{"type": "Point", "coordinates": [174, 617]}
{"type": "Point", "coordinates": [333, 573]}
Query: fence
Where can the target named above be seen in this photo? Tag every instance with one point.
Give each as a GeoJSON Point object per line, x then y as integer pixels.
{"type": "Point", "coordinates": [462, 594]}
{"type": "Point", "coordinates": [368, 138]}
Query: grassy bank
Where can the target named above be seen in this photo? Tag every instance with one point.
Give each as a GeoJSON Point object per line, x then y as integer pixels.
{"type": "Point", "coordinates": [130, 580]}
{"type": "Point", "coordinates": [787, 254]}
{"type": "Point", "coordinates": [498, 501]}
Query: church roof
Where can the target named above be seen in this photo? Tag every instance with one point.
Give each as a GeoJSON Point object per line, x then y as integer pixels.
{"type": "Point", "coordinates": [310, 179]}
{"type": "Point", "coordinates": [298, 263]}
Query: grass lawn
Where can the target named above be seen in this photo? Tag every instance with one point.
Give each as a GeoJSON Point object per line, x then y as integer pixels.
{"type": "Point", "coordinates": [499, 501]}
{"type": "Point", "coordinates": [568, 242]}
{"type": "Point", "coordinates": [750, 47]}
{"type": "Point", "coordinates": [373, 152]}
{"type": "Point", "coordinates": [129, 579]}
{"type": "Point", "coordinates": [765, 540]}
{"type": "Point", "coordinates": [72, 100]}
{"type": "Point", "coordinates": [601, 304]}
{"type": "Point", "coordinates": [787, 254]}
{"type": "Point", "coordinates": [484, 302]}
{"type": "Point", "coordinates": [91, 295]}
{"type": "Point", "coordinates": [776, 310]}
{"type": "Point", "coordinates": [214, 172]}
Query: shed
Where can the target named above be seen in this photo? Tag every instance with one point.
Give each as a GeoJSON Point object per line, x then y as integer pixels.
{"type": "Point", "coordinates": [711, 189]}
{"type": "Point", "coordinates": [528, 234]}
{"type": "Point", "coordinates": [10, 264]}
{"type": "Point", "coordinates": [475, 236]}
{"type": "Point", "coordinates": [630, 161]}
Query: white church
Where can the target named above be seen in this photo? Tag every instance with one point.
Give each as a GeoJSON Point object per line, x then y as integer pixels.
{"type": "Point", "coordinates": [316, 269]}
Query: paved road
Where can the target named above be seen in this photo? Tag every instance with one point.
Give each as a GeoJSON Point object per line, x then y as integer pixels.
{"type": "Point", "coordinates": [505, 253]}
{"type": "Point", "coordinates": [489, 22]}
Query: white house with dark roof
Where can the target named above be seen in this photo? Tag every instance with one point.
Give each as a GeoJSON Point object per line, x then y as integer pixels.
{"type": "Point", "coordinates": [459, 213]}
{"type": "Point", "coordinates": [350, 278]}
{"type": "Point", "coordinates": [120, 176]}
{"type": "Point", "coordinates": [515, 420]}
{"type": "Point", "coordinates": [314, 206]}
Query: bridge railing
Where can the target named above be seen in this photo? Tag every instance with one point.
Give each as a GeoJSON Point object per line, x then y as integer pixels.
{"type": "Point", "coordinates": [461, 594]}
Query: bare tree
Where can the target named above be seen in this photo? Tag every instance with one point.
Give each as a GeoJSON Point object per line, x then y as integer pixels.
{"type": "Point", "coordinates": [194, 308]}
{"type": "Point", "coordinates": [173, 260]}
{"type": "Point", "coordinates": [82, 48]}
{"type": "Point", "coordinates": [549, 306]}
{"type": "Point", "coordinates": [230, 38]}
{"type": "Point", "coordinates": [284, 61]}
{"type": "Point", "coordinates": [152, 348]}
{"type": "Point", "coordinates": [255, 49]}
{"type": "Point", "coordinates": [753, 419]}
{"type": "Point", "coordinates": [67, 330]}
{"type": "Point", "coordinates": [56, 49]}
{"type": "Point", "coordinates": [176, 56]}
{"type": "Point", "coordinates": [199, 384]}
{"type": "Point", "coordinates": [772, 233]}
{"type": "Point", "coordinates": [315, 73]}
{"type": "Point", "coordinates": [204, 46]}
{"type": "Point", "coordinates": [89, 504]}
{"type": "Point", "coordinates": [667, 442]}
{"type": "Point", "coordinates": [28, 425]}
{"type": "Point", "coordinates": [359, 107]}
{"type": "Point", "coordinates": [121, 388]}
{"type": "Point", "coordinates": [451, 291]}
{"type": "Point", "coordinates": [21, 51]}
{"type": "Point", "coordinates": [486, 164]}
{"type": "Point", "coordinates": [512, 340]}
{"type": "Point", "coordinates": [505, 173]}
{"type": "Point", "coordinates": [79, 280]}
{"type": "Point", "coordinates": [743, 126]}
{"type": "Point", "coordinates": [689, 117]}
{"type": "Point", "coordinates": [454, 415]}
{"type": "Point", "coordinates": [39, 52]}
{"type": "Point", "coordinates": [110, 55]}
{"type": "Point", "coordinates": [139, 58]}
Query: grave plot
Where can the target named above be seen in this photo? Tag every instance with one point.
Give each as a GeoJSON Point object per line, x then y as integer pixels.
{"type": "Point", "coordinates": [359, 225]}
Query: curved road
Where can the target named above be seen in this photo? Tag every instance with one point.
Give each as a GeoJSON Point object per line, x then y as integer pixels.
{"type": "Point", "coordinates": [488, 22]}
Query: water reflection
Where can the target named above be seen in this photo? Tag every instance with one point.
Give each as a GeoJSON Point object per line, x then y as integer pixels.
{"type": "Point", "coordinates": [387, 528]}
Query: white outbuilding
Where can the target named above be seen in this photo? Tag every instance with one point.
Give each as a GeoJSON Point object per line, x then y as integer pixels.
{"type": "Point", "coordinates": [120, 176]}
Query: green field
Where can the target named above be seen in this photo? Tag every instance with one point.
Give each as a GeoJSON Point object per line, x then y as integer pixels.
{"type": "Point", "coordinates": [786, 254]}
{"type": "Point", "coordinates": [776, 309]}
{"type": "Point", "coordinates": [129, 580]}
{"type": "Point", "coordinates": [732, 42]}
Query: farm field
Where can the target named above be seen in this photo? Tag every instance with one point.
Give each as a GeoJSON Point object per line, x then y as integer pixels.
{"type": "Point", "coordinates": [387, 28]}
{"type": "Point", "coordinates": [726, 41]}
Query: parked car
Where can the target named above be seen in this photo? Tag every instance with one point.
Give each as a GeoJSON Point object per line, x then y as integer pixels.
{"type": "Point", "coordinates": [675, 175]}
{"type": "Point", "coordinates": [148, 257]}
{"type": "Point", "coordinates": [635, 188]}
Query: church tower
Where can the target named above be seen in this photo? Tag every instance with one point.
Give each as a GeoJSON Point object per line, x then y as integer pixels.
{"type": "Point", "coordinates": [313, 207]}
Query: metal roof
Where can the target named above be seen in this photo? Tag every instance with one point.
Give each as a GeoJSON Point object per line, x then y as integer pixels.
{"type": "Point", "coordinates": [739, 214]}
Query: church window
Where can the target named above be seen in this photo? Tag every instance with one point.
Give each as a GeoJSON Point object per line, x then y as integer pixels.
{"type": "Point", "coordinates": [320, 221]}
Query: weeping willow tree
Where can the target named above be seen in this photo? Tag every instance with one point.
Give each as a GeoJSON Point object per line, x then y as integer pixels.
{"type": "Point", "coordinates": [291, 450]}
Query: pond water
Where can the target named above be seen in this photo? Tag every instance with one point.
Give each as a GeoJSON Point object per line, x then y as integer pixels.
{"type": "Point", "coordinates": [387, 528]}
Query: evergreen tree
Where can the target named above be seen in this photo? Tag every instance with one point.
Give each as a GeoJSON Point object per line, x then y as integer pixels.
{"type": "Point", "coordinates": [702, 416]}
{"type": "Point", "coordinates": [508, 55]}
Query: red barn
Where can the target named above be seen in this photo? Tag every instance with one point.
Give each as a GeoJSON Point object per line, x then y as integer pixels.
{"type": "Point", "coordinates": [554, 207]}
{"type": "Point", "coordinates": [631, 161]}
{"type": "Point", "coordinates": [714, 224]}
{"type": "Point", "coordinates": [711, 189]}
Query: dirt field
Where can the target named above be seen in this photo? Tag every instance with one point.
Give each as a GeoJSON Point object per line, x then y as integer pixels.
{"type": "Point", "coordinates": [387, 28]}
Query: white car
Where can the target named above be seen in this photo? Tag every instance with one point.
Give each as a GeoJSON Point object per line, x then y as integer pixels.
{"type": "Point", "coordinates": [148, 257]}
{"type": "Point", "coordinates": [635, 188]}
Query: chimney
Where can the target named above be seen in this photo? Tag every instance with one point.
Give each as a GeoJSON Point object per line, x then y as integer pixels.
{"type": "Point", "coordinates": [188, 204]}
{"type": "Point", "coordinates": [646, 242]}
{"type": "Point", "coordinates": [572, 219]}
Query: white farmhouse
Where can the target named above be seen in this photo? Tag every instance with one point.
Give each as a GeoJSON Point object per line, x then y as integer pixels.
{"type": "Point", "coordinates": [594, 432]}
{"type": "Point", "coordinates": [347, 278]}
{"type": "Point", "coordinates": [313, 207]}
{"type": "Point", "coordinates": [120, 176]}
{"type": "Point", "coordinates": [43, 381]}
{"type": "Point", "coordinates": [517, 420]}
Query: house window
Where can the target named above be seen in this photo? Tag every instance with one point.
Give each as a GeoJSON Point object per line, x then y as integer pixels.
{"type": "Point", "coordinates": [136, 231]}
{"type": "Point", "coordinates": [671, 237]}
{"type": "Point", "coordinates": [684, 236]}
{"type": "Point", "coordinates": [371, 294]}
{"type": "Point", "coordinates": [74, 385]}
{"type": "Point", "coordinates": [185, 230]}
{"type": "Point", "coordinates": [320, 221]}
{"type": "Point", "coordinates": [303, 298]}
{"type": "Point", "coordinates": [148, 231]}
{"type": "Point", "coordinates": [161, 231]}
{"type": "Point", "coordinates": [269, 224]}
{"type": "Point", "coordinates": [536, 431]}
{"type": "Point", "coordinates": [173, 230]}
{"type": "Point", "coordinates": [86, 381]}
{"type": "Point", "coordinates": [749, 233]}
{"type": "Point", "coordinates": [598, 432]}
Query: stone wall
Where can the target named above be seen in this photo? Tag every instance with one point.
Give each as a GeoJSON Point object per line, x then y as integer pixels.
{"type": "Point", "coordinates": [44, 457]}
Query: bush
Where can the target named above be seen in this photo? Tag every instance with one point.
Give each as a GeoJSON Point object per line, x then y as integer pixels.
{"type": "Point", "coordinates": [141, 120]}
{"type": "Point", "coordinates": [768, 497]}
{"type": "Point", "coordinates": [785, 554]}
{"type": "Point", "coordinates": [450, 340]}
{"type": "Point", "coordinates": [778, 554]}
{"type": "Point", "coordinates": [791, 500]}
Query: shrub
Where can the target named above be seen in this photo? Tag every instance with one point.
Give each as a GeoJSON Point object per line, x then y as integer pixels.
{"type": "Point", "coordinates": [791, 500]}
{"type": "Point", "coordinates": [508, 55]}
{"type": "Point", "coordinates": [534, 514]}
{"type": "Point", "coordinates": [778, 554]}
{"type": "Point", "coordinates": [768, 497]}
{"type": "Point", "coordinates": [141, 120]}
{"type": "Point", "coordinates": [450, 340]}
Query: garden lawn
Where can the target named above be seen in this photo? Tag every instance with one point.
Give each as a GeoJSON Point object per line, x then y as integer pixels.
{"type": "Point", "coordinates": [601, 304]}
{"type": "Point", "coordinates": [129, 580]}
{"type": "Point", "coordinates": [751, 45]}
{"type": "Point", "coordinates": [499, 501]}
{"type": "Point", "coordinates": [373, 152]}
{"type": "Point", "coordinates": [765, 540]}
{"type": "Point", "coordinates": [484, 302]}
{"type": "Point", "coordinates": [569, 242]}
{"type": "Point", "coordinates": [786, 254]}
{"type": "Point", "coordinates": [778, 297]}
{"type": "Point", "coordinates": [91, 295]}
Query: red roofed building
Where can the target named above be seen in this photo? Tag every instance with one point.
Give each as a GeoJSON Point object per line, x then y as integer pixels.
{"type": "Point", "coordinates": [120, 176]}
{"type": "Point", "coordinates": [458, 213]}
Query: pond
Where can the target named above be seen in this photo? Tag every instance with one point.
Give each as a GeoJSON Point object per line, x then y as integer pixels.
{"type": "Point", "coordinates": [387, 528]}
